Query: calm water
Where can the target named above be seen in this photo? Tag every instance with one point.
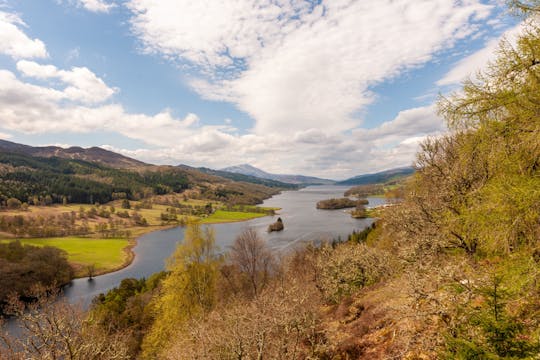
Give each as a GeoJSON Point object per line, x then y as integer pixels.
{"type": "Point", "coordinates": [303, 223]}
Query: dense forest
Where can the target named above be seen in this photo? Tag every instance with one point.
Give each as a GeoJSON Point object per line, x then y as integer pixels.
{"type": "Point", "coordinates": [451, 272]}
{"type": "Point", "coordinates": [36, 180]}
{"type": "Point", "coordinates": [24, 267]}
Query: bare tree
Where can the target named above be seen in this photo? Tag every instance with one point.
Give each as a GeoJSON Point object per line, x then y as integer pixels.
{"type": "Point", "coordinates": [91, 271]}
{"type": "Point", "coordinates": [252, 257]}
{"type": "Point", "coordinates": [51, 328]}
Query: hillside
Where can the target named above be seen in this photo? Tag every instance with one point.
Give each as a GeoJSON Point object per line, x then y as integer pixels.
{"type": "Point", "coordinates": [245, 178]}
{"type": "Point", "coordinates": [49, 179]}
{"type": "Point", "coordinates": [379, 177]}
{"type": "Point", "coordinates": [93, 154]}
{"type": "Point", "coordinates": [249, 170]}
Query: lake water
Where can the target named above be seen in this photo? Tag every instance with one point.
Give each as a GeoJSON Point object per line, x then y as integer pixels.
{"type": "Point", "coordinates": [303, 223]}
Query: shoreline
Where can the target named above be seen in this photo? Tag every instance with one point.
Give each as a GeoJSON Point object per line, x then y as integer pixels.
{"type": "Point", "coordinates": [132, 242]}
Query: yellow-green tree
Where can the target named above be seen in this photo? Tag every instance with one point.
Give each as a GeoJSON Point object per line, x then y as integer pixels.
{"type": "Point", "coordinates": [479, 185]}
{"type": "Point", "coordinates": [188, 292]}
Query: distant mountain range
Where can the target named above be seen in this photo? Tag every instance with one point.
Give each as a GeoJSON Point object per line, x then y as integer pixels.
{"type": "Point", "coordinates": [93, 154]}
{"type": "Point", "coordinates": [242, 177]}
{"type": "Point", "coordinates": [243, 173]}
{"type": "Point", "coordinates": [379, 177]}
{"type": "Point", "coordinates": [247, 169]}
{"type": "Point", "coordinates": [375, 178]}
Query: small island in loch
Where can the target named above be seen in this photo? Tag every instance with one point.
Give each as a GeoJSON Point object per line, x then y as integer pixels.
{"type": "Point", "coordinates": [277, 226]}
{"type": "Point", "coordinates": [342, 203]}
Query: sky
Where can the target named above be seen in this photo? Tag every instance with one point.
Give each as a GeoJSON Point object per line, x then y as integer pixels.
{"type": "Point", "coordinates": [331, 88]}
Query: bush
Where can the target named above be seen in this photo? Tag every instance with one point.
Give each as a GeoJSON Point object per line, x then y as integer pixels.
{"type": "Point", "coordinates": [13, 203]}
{"type": "Point", "coordinates": [348, 268]}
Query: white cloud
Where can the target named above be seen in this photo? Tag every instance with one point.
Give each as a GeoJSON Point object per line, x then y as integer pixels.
{"type": "Point", "coordinates": [97, 6]}
{"type": "Point", "coordinates": [408, 123]}
{"type": "Point", "coordinates": [5, 136]}
{"type": "Point", "coordinates": [83, 84]}
{"type": "Point", "coordinates": [14, 42]}
{"type": "Point", "coordinates": [294, 66]}
{"type": "Point", "coordinates": [469, 66]}
{"type": "Point", "coordinates": [300, 72]}
{"type": "Point", "coordinates": [36, 109]}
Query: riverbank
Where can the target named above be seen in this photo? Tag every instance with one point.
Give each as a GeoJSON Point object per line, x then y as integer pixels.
{"type": "Point", "coordinates": [220, 218]}
{"type": "Point", "coordinates": [98, 256]}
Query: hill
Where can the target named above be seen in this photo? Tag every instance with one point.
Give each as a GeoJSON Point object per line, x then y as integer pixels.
{"type": "Point", "coordinates": [379, 177]}
{"type": "Point", "coordinates": [249, 170]}
{"type": "Point", "coordinates": [93, 154]}
{"type": "Point", "coordinates": [46, 175]}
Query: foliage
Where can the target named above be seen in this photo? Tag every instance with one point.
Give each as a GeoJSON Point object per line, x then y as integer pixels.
{"type": "Point", "coordinates": [347, 268]}
{"type": "Point", "coordinates": [123, 310]}
{"type": "Point", "coordinates": [22, 267]}
{"type": "Point", "coordinates": [365, 190]}
{"type": "Point", "coordinates": [51, 180]}
{"type": "Point", "coordinates": [50, 328]}
{"type": "Point", "coordinates": [359, 212]}
{"type": "Point", "coordinates": [361, 236]}
{"type": "Point", "coordinates": [341, 203]}
{"type": "Point", "coordinates": [188, 291]}
{"type": "Point", "coordinates": [480, 185]}
{"type": "Point", "coordinates": [281, 323]}
{"type": "Point", "coordinates": [470, 210]}
{"type": "Point", "coordinates": [489, 328]}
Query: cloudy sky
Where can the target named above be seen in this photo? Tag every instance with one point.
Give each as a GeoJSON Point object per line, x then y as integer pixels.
{"type": "Point", "coordinates": [330, 88]}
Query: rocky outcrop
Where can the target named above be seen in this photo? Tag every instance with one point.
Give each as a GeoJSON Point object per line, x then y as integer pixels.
{"type": "Point", "coordinates": [277, 226]}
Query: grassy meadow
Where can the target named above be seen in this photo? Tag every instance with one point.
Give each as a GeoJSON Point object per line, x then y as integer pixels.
{"type": "Point", "coordinates": [222, 216]}
{"type": "Point", "coordinates": [104, 254]}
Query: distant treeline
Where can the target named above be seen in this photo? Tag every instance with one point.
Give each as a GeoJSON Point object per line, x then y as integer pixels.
{"type": "Point", "coordinates": [365, 190]}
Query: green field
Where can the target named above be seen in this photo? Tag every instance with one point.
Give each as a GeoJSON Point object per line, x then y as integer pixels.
{"type": "Point", "coordinates": [221, 216]}
{"type": "Point", "coordinates": [105, 254]}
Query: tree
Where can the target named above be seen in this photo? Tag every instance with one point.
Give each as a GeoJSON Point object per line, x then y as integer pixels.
{"type": "Point", "coordinates": [91, 271]}
{"type": "Point", "coordinates": [251, 256]}
{"type": "Point", "coordinates": [524, 7]}
{"type": "Point", "coordinates": [188, 291]}
{"type": "Point", "coordinates": [51, 328]}
{"type": "Point", "coordinates": [126, 204]}
{"type": "Point", "coordinates": [13, 203]}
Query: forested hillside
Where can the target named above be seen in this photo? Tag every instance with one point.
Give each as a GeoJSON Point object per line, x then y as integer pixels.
{"type": "Point", "coordinates": [46, 180]}
{"type": "Point", "coordinates": [49, 180]}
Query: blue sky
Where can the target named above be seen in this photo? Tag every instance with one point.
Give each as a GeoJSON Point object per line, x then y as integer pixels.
{"type": "Point", "coordinates": [326, 88]}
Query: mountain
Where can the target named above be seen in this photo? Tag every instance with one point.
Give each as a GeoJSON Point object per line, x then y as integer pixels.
{"type": "Point", "coordinates": [247, 178]}
{"type": "Point", "coordinates": [93, 154]}
{"type": "Point", "coordinates": [249, 170]}
{"type": "Point", "coordinates": [379, 177]}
